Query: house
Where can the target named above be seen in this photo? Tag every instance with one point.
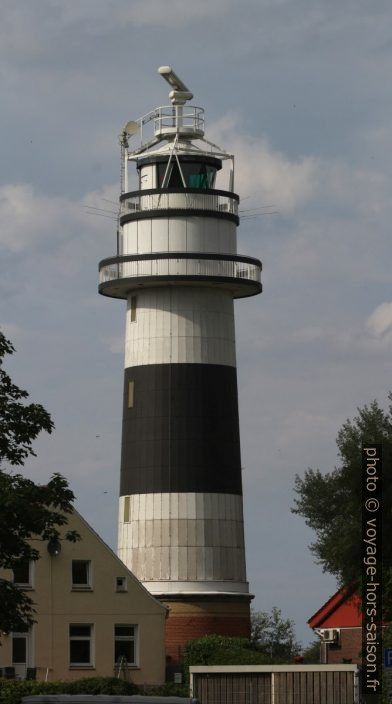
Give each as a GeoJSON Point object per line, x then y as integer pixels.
{"type": "Point", "coordinates": [93, 616]}
{"type": "Point", "coordinates": [339, 623]}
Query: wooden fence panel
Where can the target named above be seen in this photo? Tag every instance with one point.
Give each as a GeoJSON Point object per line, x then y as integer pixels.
{"type": "Point", "coordinates": [217, 688]}
{"type": "Point", "coordinates": [302, 687]}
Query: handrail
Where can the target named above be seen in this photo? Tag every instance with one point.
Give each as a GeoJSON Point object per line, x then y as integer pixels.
{"type": "Point", "coordinates": [179, 255]}
{"type": "Point", "coordinates": [159, 199]}
{"type": "Point", "coordinates": [208, 191]}
{"type": "Point", "coordinates": [174, 265]}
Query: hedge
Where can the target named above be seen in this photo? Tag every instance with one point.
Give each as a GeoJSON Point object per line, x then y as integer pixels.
{"type": "Point", "coordinates": [12, 691]}
{"type": "Point", "coordinates": [170, 689]}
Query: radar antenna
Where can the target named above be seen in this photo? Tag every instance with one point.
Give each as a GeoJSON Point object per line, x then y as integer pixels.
{"type": "Point", "coordinates": [180, 93]}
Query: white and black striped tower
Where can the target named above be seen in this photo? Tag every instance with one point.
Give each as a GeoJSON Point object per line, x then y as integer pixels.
{"type": "Point", "coordinates": [180, 515]}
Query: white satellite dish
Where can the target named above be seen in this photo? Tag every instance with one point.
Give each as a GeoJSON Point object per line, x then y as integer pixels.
{"type": "Point", "coordinates": [131, 127]}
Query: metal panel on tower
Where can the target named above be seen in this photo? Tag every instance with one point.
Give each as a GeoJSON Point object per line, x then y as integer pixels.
{"type": "Point", "coordinates": [180, 513]}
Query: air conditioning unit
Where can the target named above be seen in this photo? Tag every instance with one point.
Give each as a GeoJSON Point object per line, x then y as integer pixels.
{"type": "Point", "coordinates": [330, 635]}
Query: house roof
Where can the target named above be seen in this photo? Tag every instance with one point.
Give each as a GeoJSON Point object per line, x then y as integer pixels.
{"type": "Point", "coordinates": [138, 584]}
{"type": "Point", "coordinates": [342, 610]}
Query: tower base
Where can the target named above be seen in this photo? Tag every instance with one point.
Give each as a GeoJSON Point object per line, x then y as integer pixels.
{"type": "Point", "coordinates": [195, 616]}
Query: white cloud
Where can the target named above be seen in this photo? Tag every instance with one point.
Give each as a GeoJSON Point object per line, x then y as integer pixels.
{"type": "Point", "coordinates": [28, 218]}
{"type": "Point", "coordinates": [332, 187]}
{"type": "Point", "coordinates": [379, 323]}
{"type": "Point", "coordinates": [263, 174]}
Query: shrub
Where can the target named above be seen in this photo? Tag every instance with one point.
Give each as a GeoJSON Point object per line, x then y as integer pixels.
{"type": "Point", "coordinates": [170, 689]}
{"type": "Point", "coordinates": [12, 691]}
{"type": "Point", "coordinates": [100, 685]}
{"type": "Point", "coordinates": [222, 650]}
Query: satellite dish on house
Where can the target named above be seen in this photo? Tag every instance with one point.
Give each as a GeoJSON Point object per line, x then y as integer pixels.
{"type": "Point", "coordinates": [54, 547]}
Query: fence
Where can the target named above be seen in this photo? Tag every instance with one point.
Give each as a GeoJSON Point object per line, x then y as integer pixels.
{"type": "Point", "coordinates": [276, 684]}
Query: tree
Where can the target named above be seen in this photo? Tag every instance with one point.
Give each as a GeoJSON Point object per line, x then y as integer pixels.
{"type": "Point", "coordinates": [272, 641]}
{"type": "Point", "coordinates": [332, 503]}
{"type": "Point", "coordinates": [26, 509]}
{"type": "Point", "coordinates": [311, 654]}
{"type": "Point", "coordinates": [222, 650]}
{"type": "Point", "coordinates": [274, 636]}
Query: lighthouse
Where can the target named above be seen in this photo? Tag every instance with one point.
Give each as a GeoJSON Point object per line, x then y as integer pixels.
{"type": "Point", "coordinates": [180, 526]}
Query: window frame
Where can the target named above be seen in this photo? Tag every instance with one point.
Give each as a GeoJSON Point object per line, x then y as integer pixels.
{"type": "Point", "coordinates": [82, 586]}
{"type": "Point", "coordinates": [133, 308]}
{"type": "Point", "coordinates": [121, 587]}
{"type": "Point", "coordinates": [90, 638]}
{"type": "Point", "coordinates": [121, 639]}
{"type": "Point", "coordinates": [25, 585]}
{"type": "Point", "coordinates": [126, 509]}
{"type": "Point", "coordinates": [197, 174]}
{"type": "Point", "coordinates": [20, 635]}
{"type": "Point", "coordinates": [131, 393]}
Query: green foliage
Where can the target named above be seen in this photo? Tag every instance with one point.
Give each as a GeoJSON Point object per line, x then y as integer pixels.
{"type": "Point", "coordinates": [170, 689]}
{"type": "Point", "coordinates": [311, 654]}
{"type": "Point", "coordinates": [15, 608]}
{"type": "Point", "coordinates": [26, 509]}
{"type": "Point", "coordinates": [273, 635]}
{"type": "Point", "coordinates": [99, 685]}
{"type": "Point", "coordinates": [20, 424]}
{"type": "Point", "coordinates": [222, 650]}
{"type": "Point", "coordinates": [12, 691]}
{"type": "Point", "coordinates": [332, 503]}
{"type": "Point", "coordinates": [29, 509]}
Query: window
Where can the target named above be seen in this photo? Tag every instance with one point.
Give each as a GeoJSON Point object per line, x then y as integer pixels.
{"type": "Point", "coordinates": [19, 647]}
{"type": "Point", "coordinates": [121, 584]}
{"type": "Point", "coordinates": [174, 180]}
{"type": "Point", "coordinates": [133, 308]}
{"type": "Point", "coordinates": [80, 644]}
{"type": "Point", "coordinates": [125, 644]}
{"type": "Point", "coordinates": [126, 509]}
{"type": "Point", "coordinates": [22, 574]}
{"type": "Point", "coordinates": [196, 174]}
{"type": "Point", "coordinates": [81, 574]}
{"type": "Point", "coordinates": [131, 394]}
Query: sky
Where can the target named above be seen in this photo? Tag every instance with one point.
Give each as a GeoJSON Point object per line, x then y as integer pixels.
{"type": "Point", "coordinates": [299, 91]}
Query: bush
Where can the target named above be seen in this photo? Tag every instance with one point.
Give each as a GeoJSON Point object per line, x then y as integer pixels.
{"type": "Point", "coordinates": [12, 691]}
{"type": "Point", "coordinates": [170, 689]}
{"type": "Point", "coordinates": [100, 685]}
{"type": "Point", "coordinates": [222, 650]}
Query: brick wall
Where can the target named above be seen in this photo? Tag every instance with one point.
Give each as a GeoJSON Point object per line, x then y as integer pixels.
{"type": "Point", "coordinates": [195, 619]}
{"type": "Point", "coordinates": [349, 647]}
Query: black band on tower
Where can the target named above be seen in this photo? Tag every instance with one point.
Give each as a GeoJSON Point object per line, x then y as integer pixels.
{"type": "Point", "coordinates": [180, 430]}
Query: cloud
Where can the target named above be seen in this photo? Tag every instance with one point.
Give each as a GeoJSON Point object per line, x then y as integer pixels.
{"type": "Point", "coordinates": [262, 173]}
{"type": "Point", "coordinates": [29, 218]}
{"type": "Point", "coordinates": [379, 323]}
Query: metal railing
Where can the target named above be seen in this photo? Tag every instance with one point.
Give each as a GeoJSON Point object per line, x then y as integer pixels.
{"type": "Point", "coordinates": [192, 199]}
{"type": "Point", "coordinates": [125, 267]}
{"type": "Point", "coordinates": [188, 117]}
